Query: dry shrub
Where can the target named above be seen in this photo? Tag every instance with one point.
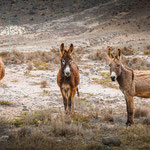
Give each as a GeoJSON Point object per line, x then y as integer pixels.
{"type": "Point", "coordinates": [16, 57]}
{"type": "Point", "coordinates": [141, 112]}
{"type": "Point", "coordinates": [6, 103]}
{"type": "Point", "coordinates": [147, 120]}
{"type": "Point", "coordinates": [127, 51]}
{"type": "Point", "coordinates": [136, 136]}
{"type": "Point", "coordinates": [148, 46]}
{"type": "Point", "coordinates": [108, 116]}
{"type": "Point", "coordinates": [44, 84]}
{"type": "Point", "coordinates": [38, 58]}
{"type": "Point", "coordinates": [146, 52]}
{"type": "Point", "coordinates": [98, 55]}
{"type": "Point", "coordinates": [137, 63]}
{"type": "Point", "coordinates": [29, 67]}
{"type": "Point", "coordinates": [40, 65]}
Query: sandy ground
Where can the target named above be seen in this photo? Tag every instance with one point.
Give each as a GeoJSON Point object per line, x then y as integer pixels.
{"type": "Point", "coordinates": [85, 29]}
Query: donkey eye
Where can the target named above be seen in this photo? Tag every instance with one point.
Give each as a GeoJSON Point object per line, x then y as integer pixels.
{"type": "Point", "coordinates": [118, 65]}
{"type": "Point", "coordinates": [63, 61]}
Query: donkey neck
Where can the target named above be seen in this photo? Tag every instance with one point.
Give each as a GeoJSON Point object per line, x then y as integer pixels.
{"type": "Point", "coordinates": [125, 77]}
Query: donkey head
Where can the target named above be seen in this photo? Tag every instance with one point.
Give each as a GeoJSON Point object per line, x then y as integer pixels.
{"type": "Point", "coordinates": [115, 64]}
{"type": "Point", "coordinates": [66, 59]}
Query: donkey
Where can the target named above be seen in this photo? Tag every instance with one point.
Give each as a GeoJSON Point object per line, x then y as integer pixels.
{"type": "Point", "coordinates": [131, 82]}
{"type": "Point", "coordinates": [2, 70]}
{"type": "Point", "coordinates": [68, 78]}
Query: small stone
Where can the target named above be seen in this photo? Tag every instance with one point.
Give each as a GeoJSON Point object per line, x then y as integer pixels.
{"type": "Point", "coordinates": [25, 108]}
{"type": "Point", "coordinates": [4, 138]}
{"type": "Point", "coordinates": [111, 141]}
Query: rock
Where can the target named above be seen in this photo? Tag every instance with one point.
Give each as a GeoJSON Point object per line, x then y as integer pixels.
{"type": "Point", "coordinates": [4, 138]}
{"type": "Point", "coordinates": [111, 141]}
{"type": "Point", "coordinates": [25, 108]}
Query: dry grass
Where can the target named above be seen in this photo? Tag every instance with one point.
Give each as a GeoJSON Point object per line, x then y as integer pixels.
{"type": "Point", "coordinates": [128, 50]}
{"type": "Point", "coordinates": [141, 112]}
{"type": "Point", "coordinates": [6, 103]}
{"type": "Point", "coordinates": [52, 129]}
{"type": "Point", "coordinates": [44, 84]}
{"type": "Point", "coordinates": [29, 67]}
{"type": "Point", "coordinates": [136, 136]}
{"type": "Point", "coordinates": [41, 60]}
{"type": "Point", "coordinates": [27, 74]}
{"type": "Point", "coordinates": [108, 116]}
{"type": "Point", "coordinates": [146, 121]}
{"type": "Point", "coordinates": [146, 52]}
{"type": "Point", "coordinates": [46, 92]}
{"type": "Point", "coordinates": [137, 63]}
{"type": "Point", "coordinates": [16, 57]}
{"type": "Point", "coordinates": [98, 55]}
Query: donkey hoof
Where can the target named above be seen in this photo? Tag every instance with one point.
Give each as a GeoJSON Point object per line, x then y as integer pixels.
{"type": "Point", "coordinates": [128, 123]}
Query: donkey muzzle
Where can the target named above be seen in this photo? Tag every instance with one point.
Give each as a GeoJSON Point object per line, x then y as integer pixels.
{"type": "Point", "coordinates": [113, 76]}
{"type": "Point", "coordinates": [67, 71]}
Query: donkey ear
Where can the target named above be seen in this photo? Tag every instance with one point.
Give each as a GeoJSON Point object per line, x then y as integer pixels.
{"type": "Point", "coordinates": [109, 53]}
{"type": "Point", "coordinates": [71, 49]}
{"type": "Point", "coordinates": [62, 47]}
{"type": "Point", "coordinates": [118, 53]}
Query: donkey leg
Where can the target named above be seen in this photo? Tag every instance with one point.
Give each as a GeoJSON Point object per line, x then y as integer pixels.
{"type": "Point", "coordinates": [130, 109]}
{"type": "Point", "coordinates": [70, 104]}
{"type": "Point", "coordinates": [65, 101]}
{"type": "Point", "coordinates": [65, 104]}
{"type": "Point", "coordinates": [73, 95]}
{"type": "Point", "coordinates": [71, 100]}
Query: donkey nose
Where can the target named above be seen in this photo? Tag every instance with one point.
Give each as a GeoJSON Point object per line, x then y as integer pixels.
{"type": "Point", "coordinates": [67, 71]}
{"type": "Point", "coordinates": [113, 78]}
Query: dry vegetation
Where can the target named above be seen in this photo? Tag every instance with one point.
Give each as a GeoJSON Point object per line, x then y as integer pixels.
{"type": "Point", "coordinates": [98, 55]}
{"type": "Point", "coordinates": [128, 51]}
{"type": "Point", "coordinates": [132, 62]}
{"type": "Point", "coordinates": [44, 84]}
{"type": "Point", "coordinates": [52, 129]}
{"type": "Point", "coordinates": [39, 60]}
{"type": "Point", "coordinates": [141, 112]}
{"type": "Point", "coordinates": [137, 63]}
{"type": "Point", "coordinates": [6, 103]}
{"type": "Point", "coordinates": [147, 51]}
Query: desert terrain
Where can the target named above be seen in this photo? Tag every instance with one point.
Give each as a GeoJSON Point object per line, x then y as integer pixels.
{"type": "Point", "coordinates": [31, 107]}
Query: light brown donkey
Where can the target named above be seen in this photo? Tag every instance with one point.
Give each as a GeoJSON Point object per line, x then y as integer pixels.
{"type": "Point", "coordinates": [68, 78]}
{"type": "Point", "coordinates": [131, 82]}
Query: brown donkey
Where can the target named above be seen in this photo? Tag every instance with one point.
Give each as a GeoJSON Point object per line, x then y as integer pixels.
{"type": "Point", "coordinates": [68, 78]}
{"type": "Point", "coordinates": [131, 82]}
{"type": "Point", "coordinates": [2, 70]}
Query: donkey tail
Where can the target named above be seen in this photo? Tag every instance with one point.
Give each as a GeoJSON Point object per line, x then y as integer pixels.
{"type": "Point", "coordinates": [78, 92]}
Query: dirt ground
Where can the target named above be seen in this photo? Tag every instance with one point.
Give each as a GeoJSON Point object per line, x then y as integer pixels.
{"type": "Point", "coordinates": [115, 23]}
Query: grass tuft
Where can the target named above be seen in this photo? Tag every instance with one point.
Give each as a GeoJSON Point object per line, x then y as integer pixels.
{"type": "Point", "coordinates": [6, 103]}
{"type": "Point", "coordinates": [141, 112]}
{"type": "Point", "coordinates": [44, 84]}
